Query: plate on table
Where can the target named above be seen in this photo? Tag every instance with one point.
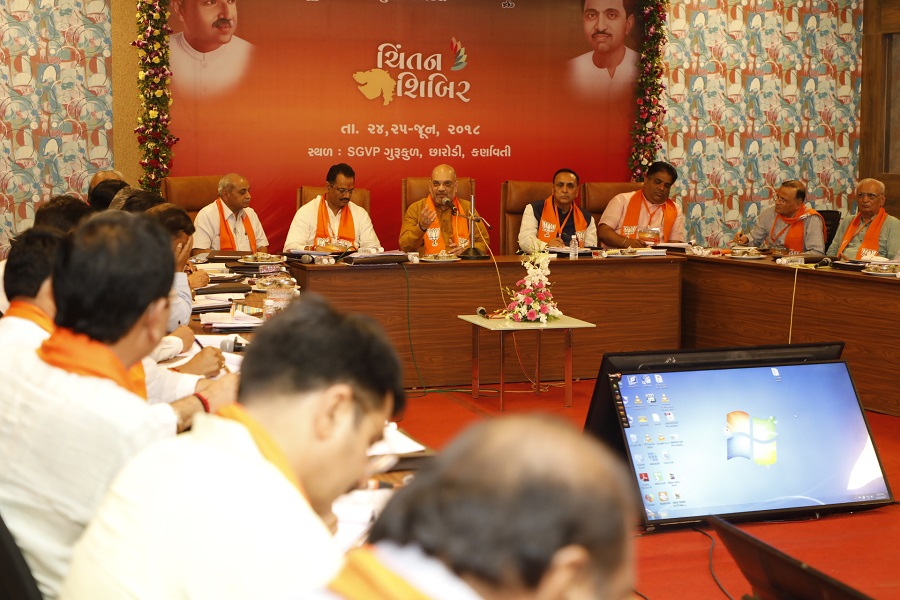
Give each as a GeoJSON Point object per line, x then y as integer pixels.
{"type": "Point", "coordinates": [746, 256]}
{"type": "Point", "coordinates": [436, 259]}
{"type": "Point", "coordinates": [876, 274]}
{"type": "Point", "coordinates": [271, 261]}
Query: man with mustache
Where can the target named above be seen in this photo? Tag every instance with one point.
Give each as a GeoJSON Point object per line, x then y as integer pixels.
{"type": "Point", "coordinates": [871, 231]}
{"type": "Point", "coordinates": [635, 219]}
{"type": "Point", "coordinates": [206, 57]}
{"type": "Point", "coordinates": [607, 73]}
{"type": "Point", "coordinates": [788, 223]}
{"type": "Point", "coordinates": [553, 222]}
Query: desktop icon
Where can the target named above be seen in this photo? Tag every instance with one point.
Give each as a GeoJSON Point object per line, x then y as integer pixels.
{"type": "Point", "coordinates": [658, 378]}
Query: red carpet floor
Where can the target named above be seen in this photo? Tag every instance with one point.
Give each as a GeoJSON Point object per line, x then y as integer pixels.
{"type": "Point", "coordinates": [862, 550]}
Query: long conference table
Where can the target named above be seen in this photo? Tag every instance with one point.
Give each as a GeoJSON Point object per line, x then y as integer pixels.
{"type": "Point", "coordinates": [645, 303]}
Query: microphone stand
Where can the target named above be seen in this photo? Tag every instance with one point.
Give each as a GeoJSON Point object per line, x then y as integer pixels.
{"type": "Point", "coordinates": [472, 253]}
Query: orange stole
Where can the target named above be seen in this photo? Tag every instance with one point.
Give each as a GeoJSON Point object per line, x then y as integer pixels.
{"type": "Point", "coordinates": [460, 228]}
{"type": "Point", "coordinates": [873, 233]}
{"type": "Point", "coordinates": [226, 242]}
{"type": "Point", "coordinates": [633, 214]}
{"type": "Point", "coordinates": [267, 446]}
{"type": "Point", "coordinates": [79, 354]}
{"type": "Point", "coordinates": [550, 215]}
{"type": "Point", "coordinates": [30, 312]}
{"type": "Point", "coordinates": [795, 238]}
{"type": "Point", "coordinates": [364, 577]}
{"type": "Point", "coordinates": [346, 228]}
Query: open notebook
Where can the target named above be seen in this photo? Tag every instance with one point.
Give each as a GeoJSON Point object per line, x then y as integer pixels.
{"type": "Point", "coordinates": [754, 442]}
{"type": "Point", "coordinates": [773, 575]}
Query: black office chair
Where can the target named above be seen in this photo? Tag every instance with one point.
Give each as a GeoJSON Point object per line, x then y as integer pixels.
{"type": "Point", "coordinates": [16, 580]}
{"type": "Point", "coordinates": [832, 220]}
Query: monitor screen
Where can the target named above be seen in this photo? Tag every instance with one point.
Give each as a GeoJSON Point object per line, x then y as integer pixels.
{"type": "Point", "coordinates": [747, 441]}
{"type": "Point", "coordinates": [603, 417]}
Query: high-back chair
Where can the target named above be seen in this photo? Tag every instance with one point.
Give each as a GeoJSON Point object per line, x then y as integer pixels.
{"type": "Point", "coordinates": [191, 193]}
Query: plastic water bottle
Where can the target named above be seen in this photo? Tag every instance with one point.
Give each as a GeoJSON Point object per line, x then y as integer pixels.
{"type": "Point", "coordinates": [573, 247]}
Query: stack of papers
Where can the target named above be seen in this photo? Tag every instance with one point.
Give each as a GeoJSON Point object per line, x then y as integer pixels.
{"type": "Point", "coordinates": [228, 322]}
{"type": "Point", "coordinates": [213, 302]}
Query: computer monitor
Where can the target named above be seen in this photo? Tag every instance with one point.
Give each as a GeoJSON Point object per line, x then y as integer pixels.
{"type": "Point", "coordinates": [747, 442]}
{"type": "Point", "coordinates": [774, 575]}
{"type": "Point", "coordinates": [603, 418]}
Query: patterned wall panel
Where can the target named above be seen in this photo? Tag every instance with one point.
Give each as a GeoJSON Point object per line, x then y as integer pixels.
{"type": "Point", "coordinates": [55, 103]}
{"type": "Point", "coordinates": [761, 91]}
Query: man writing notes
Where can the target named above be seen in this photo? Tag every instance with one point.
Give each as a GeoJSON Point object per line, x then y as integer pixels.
{"type": "Point", "coordinates": [440, 221]}
{"type": "Point", "coordinates": [331, 221]}
{"type": "Point", "coordinates": [518, 507]}
{"type": "Point", "coordinates": [553, 222]}
{"type": "Point", "coordinates": [607, 73]}
{"type": "Point", "coordinates": [229, 223]}
{"type": "Point", "coordinates": [241, 506]}
{"type": "Point", "coordinates": [789, 223]}
{"type": "Point", "coordinates": [74, 412]}
{"type": "Point", "coordinates": [635, 219]}
{"type": "Point", "coordinates": [871, 231]}
{"type": "Point", "coordinates": [206, 57]}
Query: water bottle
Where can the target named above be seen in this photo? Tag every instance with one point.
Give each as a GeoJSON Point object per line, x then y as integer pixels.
{"type": "Point", "coordinates": [573, 247]}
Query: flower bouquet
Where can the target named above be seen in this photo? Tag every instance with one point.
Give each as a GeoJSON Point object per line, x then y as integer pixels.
{"type": "Point", "coordinates": [533, 300]}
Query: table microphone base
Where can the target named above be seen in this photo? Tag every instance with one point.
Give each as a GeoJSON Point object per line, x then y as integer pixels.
{"type": "Point", "coordinates": [472, 254]}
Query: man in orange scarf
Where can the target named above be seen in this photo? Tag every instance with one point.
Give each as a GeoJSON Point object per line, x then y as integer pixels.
{"type": "Point", "coordinates": [249, 516]}
{"type": "Point", "coordinates": [788, 224]}
{"type": "Point", "coordinates": [553, 222]}
{"type": "Point", "coordinates": [72, 413]}
{"type": "Point", "coordinates": [440, 221]}
{"type": "Point", "coordinates": [871, 231]}
{"type": "Point", "coordinates": [331, 220]}
{"type": "Point", "coordinates": [229, 223]}
{"type": "Point", "coordinates": [637, 219]}
{"type": "Point", "coordinates": [518, 507]}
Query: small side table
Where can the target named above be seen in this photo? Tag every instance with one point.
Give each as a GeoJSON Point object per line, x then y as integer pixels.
{"type": "Point", "coordinates": [566, 324]}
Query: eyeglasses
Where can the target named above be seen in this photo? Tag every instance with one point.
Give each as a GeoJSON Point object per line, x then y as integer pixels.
{"type": "Point", "coordinates": [869, 195]}
{"type": "Point", "coordinates": [343, 191]}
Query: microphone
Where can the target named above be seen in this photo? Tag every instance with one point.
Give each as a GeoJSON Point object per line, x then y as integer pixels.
{"type": "Point", "coordinates": [446, 202]}
{"type": "Point", "coordinates": [482, 312]}
{"type": "Point", "coordinates": [825, 262]}
{"type": "Point", "coordinates": [231, 344]}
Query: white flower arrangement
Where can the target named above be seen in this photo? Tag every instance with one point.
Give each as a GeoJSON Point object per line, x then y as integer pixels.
{"type": "Point", "coordinates": [533, 300]}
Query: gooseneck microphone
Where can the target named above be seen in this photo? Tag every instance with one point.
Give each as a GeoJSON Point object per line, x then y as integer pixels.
{"type": "Point", "coordinates": [482, 312]}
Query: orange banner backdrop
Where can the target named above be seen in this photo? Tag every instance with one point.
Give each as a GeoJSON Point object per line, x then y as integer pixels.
{"type": "Point", "coordinates": [393, 88]}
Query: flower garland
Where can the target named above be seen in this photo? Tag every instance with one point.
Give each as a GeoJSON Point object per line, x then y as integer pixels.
{"type": "Point", "coordinates": [154, 75]}
{"type": "Point", "coordinates": [646, 136]}
{"type": "Point", "coordinates": [533, 301]}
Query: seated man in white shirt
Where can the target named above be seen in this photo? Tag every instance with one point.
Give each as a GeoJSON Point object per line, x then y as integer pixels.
{"type": "Point", "coordinates": [518, 507]}
{"type": "Point", "coordinates": [331, 221]}
{"type": "Point", "coordinates": [229, 223]}
{"type": "Point", "coordinates": [73, 412]}
{"type": "Point", "coordinates": [317, 387]}
{"type": "Point", "coordinates": [638, 219]}
{"type": "Point", "coordinates": [553, 222]}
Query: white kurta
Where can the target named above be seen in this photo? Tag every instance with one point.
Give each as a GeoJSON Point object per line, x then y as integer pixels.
{"type": "Point", "coordinates": [63, 438]}
{"type": "Point", "coordinates": [208, 73]}
{"type": "Point", "coordinates": [650, 216]}
{"type": "Point", "coordinates": [303, 228]}
{"type": "Point", "coordinates": [203, 515]}
{"type": "Point", "coordinates": [589, 83]}
{"type": "Point", "coordinates": [207, 228]}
